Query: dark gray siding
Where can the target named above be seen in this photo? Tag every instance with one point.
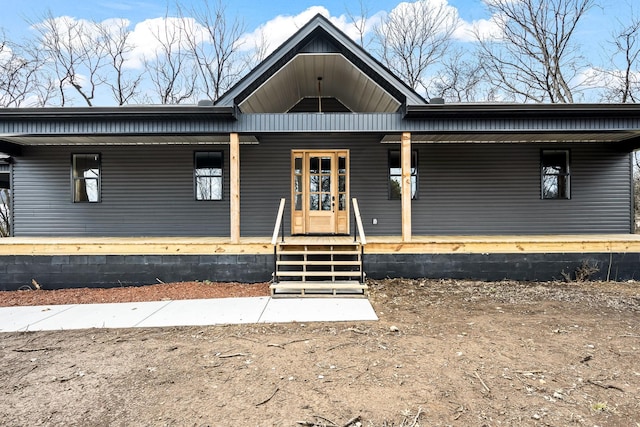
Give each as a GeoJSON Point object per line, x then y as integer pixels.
{"type": "Point", "coordinates": [320, 45]}
{"type": "Point", "coordinates": [495, 189]}
{"type": "Point", "coordinates": [463, 189]}
{"type": "Point", "coordinates": [261, 191]}
{"type": "Point", "coordinates": [146, 191]}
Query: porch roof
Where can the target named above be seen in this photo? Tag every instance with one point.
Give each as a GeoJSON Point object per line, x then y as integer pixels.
{"type": "Point", "coordinates": [455, 123]}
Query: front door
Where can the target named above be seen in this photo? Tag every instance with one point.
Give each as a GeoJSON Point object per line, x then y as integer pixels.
{"type": "Point", "coordinates": [320, 192]}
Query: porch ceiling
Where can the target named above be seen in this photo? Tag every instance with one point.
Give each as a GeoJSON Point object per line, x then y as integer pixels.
{"type": "Point", "coordinates": [516, 137]}
{"type": "Point", "coordinates": [124, 139]}
{"type": "Point", "coordinates": [299, 79]}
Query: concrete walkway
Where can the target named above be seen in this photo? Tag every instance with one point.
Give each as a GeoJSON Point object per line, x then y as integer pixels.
{"type": "Point", "coordinates": [199, 312]}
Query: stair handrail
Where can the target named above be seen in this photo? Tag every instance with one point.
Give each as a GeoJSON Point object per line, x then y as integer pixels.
{"type": "Point", "coordinates": [356, 214]}
{"type": "Point", "coordinates": [277, 227]}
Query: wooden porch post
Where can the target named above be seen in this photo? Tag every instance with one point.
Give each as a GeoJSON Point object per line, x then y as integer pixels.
{"type": "Point", "coordinates": [234, 187]}
{"type": "Point", "coordinates": [405, 154]}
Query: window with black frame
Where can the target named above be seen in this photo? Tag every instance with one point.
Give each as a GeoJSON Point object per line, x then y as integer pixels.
{"type": "Point", "coordinates": [86, 178]}
{"type": "Point", "coordinates": [555, 174]}
{"type": "Point", "coordinates": [208, 175]}
{"type": "Point", "coordinates": [395, 175]}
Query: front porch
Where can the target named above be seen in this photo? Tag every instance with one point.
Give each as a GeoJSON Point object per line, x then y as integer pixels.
{"type": "Point", "coordinates": [56, 262]}
{"type": "Point", "coordinates": [261, 245]}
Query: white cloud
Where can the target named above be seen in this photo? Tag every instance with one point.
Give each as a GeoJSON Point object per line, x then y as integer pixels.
{"type": "Point", "coordinates": [277, 30]}
{"type": "Point", "coordinates": [146, 38]}
{"type": "Point", "coordinates": [149, 36]}
{"type": "Point", "coordinates": [427, 14]}
{"type": "Point", "coordinates": [486, 29]}
{"type": "Point", "coordinates": [6, 53]}
{"type": "Point", "coordinates": [69, 27]}
{"type": "Point", "coordinates": [596, 77]}
{"type": "Point", "coordinates": [465, 31]}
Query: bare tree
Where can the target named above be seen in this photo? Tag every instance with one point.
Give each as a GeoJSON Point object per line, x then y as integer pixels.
{"type": "Point", "coordinates": [536, 58]}
{"type": "Point", "coordinates": [460, 79]}
{"type": "Point", "coordinates": [260, 51]}
{"type": "Point", "coordinates": [124, 83]}
{"type": "Point", "coordinates": [24, 81]}
{"type": "Point", "coordinates": [214, 41]}
{"type": "Point", "coordinates": [5, 212]}
{"type": "Point", "coordinates": [18, 74]}
{"type": "Point", "coordinates": [76, 53]}
{"type": "Point", "coordinates": [413, 37]}
{"type": "Point", "coordinates": [171, 72]}
{"type": "Point", "coordinates": [622, 82]}
{"type": "Point", "coordinates": [359, 22]}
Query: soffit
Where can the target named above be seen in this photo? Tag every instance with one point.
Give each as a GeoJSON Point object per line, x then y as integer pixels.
{"type": "Point", "coordinates": [299, 79]}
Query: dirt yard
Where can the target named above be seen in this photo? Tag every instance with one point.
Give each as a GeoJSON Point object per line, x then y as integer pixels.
{"type": "Point", "coordinates": [443, 353]}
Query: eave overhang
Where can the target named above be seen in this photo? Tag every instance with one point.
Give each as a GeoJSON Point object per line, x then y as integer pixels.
{"type": "Point", "coordinates": [518, 111]}
{"type": "Point", "coordinates": [122, 112]}
{"type": "Point", "coordinates": [126, 125]}
{"type": "Point", "coordinates": [618, 124]}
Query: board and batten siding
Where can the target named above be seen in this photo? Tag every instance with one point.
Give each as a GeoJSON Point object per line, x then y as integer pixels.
{"type": "Point", "coordinates": [463, 189]}
{"type": "Point", "coordinates": [146, 191]}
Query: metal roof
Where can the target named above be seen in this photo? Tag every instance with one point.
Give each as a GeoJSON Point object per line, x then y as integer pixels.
{"type": "Point", "coordinates": [513, 110]}
{"type": "Point", "coordinates": [128, 112]}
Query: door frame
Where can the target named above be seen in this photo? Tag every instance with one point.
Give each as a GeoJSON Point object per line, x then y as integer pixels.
{"type": "Point", "coordinates": [303, 220]}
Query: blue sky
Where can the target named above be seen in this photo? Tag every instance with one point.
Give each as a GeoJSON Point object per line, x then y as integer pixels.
{"type": "Point", "coordinates": [15, 13]}
{"type": "Point", "coordinates": [276, 20]}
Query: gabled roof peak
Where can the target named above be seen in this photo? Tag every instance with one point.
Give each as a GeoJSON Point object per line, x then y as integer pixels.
{"type": "Point", "coordinates": [336, 54]}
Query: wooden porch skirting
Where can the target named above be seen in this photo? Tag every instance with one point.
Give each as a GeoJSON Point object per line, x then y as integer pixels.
{"type": "Point", "coordinates": [57, 262]}
{"type": "Point", "coordinates": [584, 243]}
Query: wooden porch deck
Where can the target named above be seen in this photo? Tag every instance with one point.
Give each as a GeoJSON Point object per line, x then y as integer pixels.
{"type": "Point", "coordinates": [585, 243]}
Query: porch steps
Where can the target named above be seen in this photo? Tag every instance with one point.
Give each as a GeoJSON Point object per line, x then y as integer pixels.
{"type": "Point", "coordinates": [318, 269]}
{"type": "Point", "coordinates": [345, 288]}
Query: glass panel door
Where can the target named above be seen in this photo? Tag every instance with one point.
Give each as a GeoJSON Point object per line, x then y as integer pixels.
{"type": "Point", "coordinates": [319, 191]}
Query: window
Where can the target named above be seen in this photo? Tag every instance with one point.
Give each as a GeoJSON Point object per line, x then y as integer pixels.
{"type": "Point", "coordinates": [555, 174]}
{"type": "Point", "coordinates": [395, 175]}
{"type": "Point", "coordinates": [86, 178]}
{"type": "Point", "coordinates": [208, 175]}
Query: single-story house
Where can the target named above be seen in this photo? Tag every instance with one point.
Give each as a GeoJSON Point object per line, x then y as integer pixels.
{"type": "Point", "coordinates": [135, 194]}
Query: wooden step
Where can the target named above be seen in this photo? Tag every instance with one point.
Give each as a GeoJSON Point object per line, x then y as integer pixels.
{"type": "Point", "coordinates": [316, 244]}
{"type": "Point", "coordinates": [354, 263]}
{"type": "Point", "coordinates": [301, 253]}
{"type": "Point", "coordinates": [346, 288]}
{"type": "Point", "coordinates": [328, 262]}
{"type": "Point", "coordinates": [318, 273]}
